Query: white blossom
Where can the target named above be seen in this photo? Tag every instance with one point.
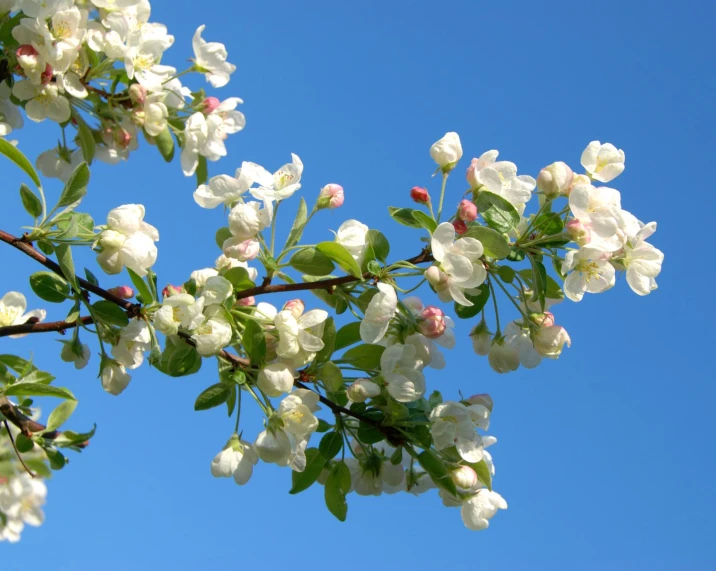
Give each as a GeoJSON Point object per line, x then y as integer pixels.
{"type": "Point", "coordinates": [13, 306]}
{"type": "Point", "coordinates": [353, 236]}
{"type": "Point", "coordinates": [237, 460]}
{"type": "Point", "coordinates": [114, 377]}
{"type": "Point", "coordinates": [381, 309]}
{"type": "Point", "coordinates": [134, 341]}
{"type": "Point", "coordinates": [43, 101]}
{"type": "Point", "coordinates": [275, 379]}
{"type": "Point", "coordinates": [480, 508]}
{"type": "Point", "coordinates": [451, 425]}
{"type": "Point", "coordinates": [603, 162]}
{"type": "Point", "coordinates": [588, 270]}
{"type": "Point", "coordinates": [447, 151]}
{"type": "Point", "coordinates": [224, 189]}
{"type": "Point", "coordinates": [211, 60]}
{"type": "Point", "coordinates": [401, 372]}
{"type": "Point", "coordinates": [128, 241]}
{"type": "Point", "coordinates": [77, 353]}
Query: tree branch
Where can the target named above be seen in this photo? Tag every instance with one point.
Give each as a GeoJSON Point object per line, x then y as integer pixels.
{"type": "Point", "coordinates": [26, 248]}
{"type": "Point", "coordinates": [328, 284]}
{"type": "Point", "coordinates": [26, 425]}
{"type": "Point", "coordinates": [47, 327]}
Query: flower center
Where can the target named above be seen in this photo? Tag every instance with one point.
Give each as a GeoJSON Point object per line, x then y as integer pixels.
{"type": "Point", "coordinates": [8, 315]}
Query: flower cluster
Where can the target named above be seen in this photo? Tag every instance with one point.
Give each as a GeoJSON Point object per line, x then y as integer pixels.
{"type": "Point", "coordinates": [21, 501]}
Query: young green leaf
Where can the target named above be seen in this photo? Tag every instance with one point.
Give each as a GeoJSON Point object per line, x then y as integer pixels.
{"type": "Point", "coordinates": [76, 186]}
{"type": "Point", "coordinates": [331, 444]}
{"type": "Point", "coordinates": [109, 313]}
{"type": "Point", "coordinates": [59, 416]}
{"type": "Point", "coordinates": [314, 466]}
{"type": "Point", "coordinates": [38, 390]}
{"type": "Point", "coordinates": [341, 256]}
{"type": "Point", "coordinates": [142, 287]}
{"type": "Point", "coordinates": [212, 396]}
{"type": "Point", "coordinates": [364, 357]}
{"type": "Point", "coordinates": [87, 142]}
{"type": "Point", "coordinates": [30, 201]}
{"type": "Point", "coordinates": [494, 243]}
{"type": "Point", "coordinates": [478, 302]}
{"type": "Point", "coordinates": [299, 223]}
{"type": "Point", "coordinates": [165, 144]}
{"type": "Point", "coordinates": [404, 216]}
{"type": "Point", "coordinates": [329, 342]}
{"type": "Point", "coordinates": [379, 243]}
{"type": "Point", "coordinates": [337, 486]}
{"type": "Point", "coordinates": [50, 287]}
{"type": "Point", "coordinates": [497, 212]}
{"type": "Point", "coordinates": [14, 154]}
{"type": "Point", "coordinates": [67, 265]}
{"type": "Point", "coordinates": [347, 335]}
{"type": "Point", "coordinates": [254, 342]}
{"type": "Point", "coordinates": [312, 262]}
{"type": "Point", "coordinates": [435, 467]}
{"type": "Point", "coordinates": [202, 171]}
{"type": "Point", "coordinates": [425, 221]}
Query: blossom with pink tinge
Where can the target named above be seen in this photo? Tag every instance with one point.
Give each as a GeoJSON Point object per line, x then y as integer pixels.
{"type": "Point", "coordinates": [549, 341]}
{"type": "Point", "coordinates": [467, 211]}
{"type": "Point", "coordinates": [295, 306]}
{"type": "Point", "coordinates": [578, 232]}
{"type": "Point", "coordinates": [420, 195]}
{"type": "Point", "coordinates": [472, 176]}
{"type": "Point", "coordinates": [171, 290]}
{"type": "Point", "coordinates": [331, 196]}
{"type": "Point", "coordinates": [555, 179]}
{"type": "Point", "coordinates": [464, 477]}
{"type": "Point", "coordinates": [246, 301]}
{"type": "Point", "coordinates": [482, 399]}
{"type": "Point", "coordinates": [242, 250]}
{"type": "Point", "coordinates": [432, 322]}
{"type": "Point", "coordinates": [138, 94]}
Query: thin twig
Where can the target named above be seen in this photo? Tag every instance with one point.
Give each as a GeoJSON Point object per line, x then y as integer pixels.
{"type": "Point", "coordinates": [17, 452]}
{"type": "Point", "coordinates": [47, 327]}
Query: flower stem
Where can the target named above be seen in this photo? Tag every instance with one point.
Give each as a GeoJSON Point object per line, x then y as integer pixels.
{"type": "Point", "coordinates": [442, 196]}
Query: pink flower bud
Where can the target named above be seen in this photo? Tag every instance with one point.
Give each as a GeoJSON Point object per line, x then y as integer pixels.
{"type": "Point", "coordinates": [210, 105]}
{"type": "Point", "coordinates": [545, 319]}
{"type": "Point", "coordinates": [482, 399]}
{"type": "Point", "coordinates": [138, 93]}
{"type": "Point", "coordinates": [467, 211]}
{"type": "Point", "coordinates": [246, 301]}
{"type": "Point", "coordinates": [432, 322]}
{"type": "Point", "coordinates": [295, 307]}
{"type": "Point", "coordinates": [579, 232]}
{"type": "Point", "coordinates": [124, 292]}
{"type": "Point", "coordinates": [331, 196]}
{"type": "Point", "coordinates": [464, 477]}
{"type": "Point", "coordinates": [171, 290]}
{"type": "Point", "coordinates": [46, 75]}
{"type": "Point", "coordinates": [460, 227]}
{"type": "Point", "coordinates": [25, 50]}
{"type": "Point", "coordinates": [420, 195]}
{"type": "Point", "coordinates": [472, 171]}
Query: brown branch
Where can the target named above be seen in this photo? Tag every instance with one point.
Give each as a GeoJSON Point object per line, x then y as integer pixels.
{"type": "Point", "coordinates": [26, 248]}
{"type": "Point", "coordinates": [47, 327]}
{"type": "Point", "coordinates": [26, 425]}
{"type": "Point", "coordinates": [327, 285]}
{"type": "Point", "coordinates": [17, 452]}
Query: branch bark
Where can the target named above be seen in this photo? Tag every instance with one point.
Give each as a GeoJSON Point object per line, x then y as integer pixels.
{"type": "Point", "coordinates": [26, 425]}
{"type": "Point", "coordinates": [47, 327]}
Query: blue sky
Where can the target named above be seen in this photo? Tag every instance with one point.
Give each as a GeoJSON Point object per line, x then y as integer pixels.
{"type": "Point", "coordinates": [605, 457]}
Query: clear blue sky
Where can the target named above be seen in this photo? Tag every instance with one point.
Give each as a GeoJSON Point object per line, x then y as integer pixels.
{"type": "Point", "coordinates": [606, 457]}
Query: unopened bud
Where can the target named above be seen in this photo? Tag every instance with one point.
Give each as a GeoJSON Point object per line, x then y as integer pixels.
{"type": "Point", "coordinates": [138, 94]}
{"type": "Point", "coordinates": [464, 477]}
{"type": "Point", "coordinates": [46, 76]}
{"type": "Point", "coordinates": [472, 172]}
{"type": "Point", "coordinates": [436, 278]}
{"type": "Point", "coordinates": [579, 232]}
{"type": "Point", "coordinates": [171, 290]}
{"type": "Point", "coordinates": [432, 323]}
{"type": "Point", "coordinates": [420, 195]}
{"type": "Point", "coordinates": [555, 179]}
{"type": "Point", "coordinates": [362, 390]}
{"type": "Point", "coordinates": [295, 307]}
{"type": "Point", "coordinates": [549, 341]}
{"type": "Point", "coordinates": [467, 211]}
{"type": "Point", "coordinates": [210, 104]}
{"type": "Point", "coordinates": [331, 196]}
{"type": "Point", "coordinates": [481, 339]}
{"type": "Point", "coordinates": [460, 227]}
{"type": "Point", "coordinates": [545, 319]}
{"type": "Point", "coordinates": [246, 301]}
{"type": "Point", "coordinates": [123, 292]}
{"type": "Point", "coordinates": [25, 50]}
{"type": "Point", "coordinates": [242, 250]}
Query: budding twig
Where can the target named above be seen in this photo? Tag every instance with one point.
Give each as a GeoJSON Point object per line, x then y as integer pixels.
{"type": "Point", "coordinates": [17, 452]}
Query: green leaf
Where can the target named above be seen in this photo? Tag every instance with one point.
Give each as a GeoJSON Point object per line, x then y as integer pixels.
{"type": "Point", "coordinates": [202, 171]}
{"type": "Point", "coordinates": [23, 443]}
{"type": "Point", "coordinates": [12, 153]}
{"type": "Point", "coordinates": [70, 438]}
{"type": "Point", "coordinates": [329, 342]}
{"type": "Point", "coordinates": [437, 470]}
{"type": "Point", "coordinates": [347, 335]}
{"type": "Point", "coordinates": [76, 186]}
{"type": "Point", "coordinates": [239, 278]}
{"type": "Point", "coordinates": [109, 313]}
{"type": "Point", "coordinates": [331, 444]}
{"type": "Point", "coordinates": [323, 426]}
{"type": "Point", "coordinates": [59, 416]}
{"type": "Point", "coordinates": [179, 359]}
{"type": "Point", "coordinates": [312, 262]}
{"type": "Point", "coordinates": [299, 223]}
{"type": "Point", "coordinates": [341, 256]}
{"type": "Point", "coordinates": [548, 224]}
{"type": "Point", "coordinates": [425, 221]}
{"type": "Point", "coordinates": [38, 390]}
{"type": "Point", "coordinates": [370, 435]}
{"type": "Point", "coordinates": [332, 376]}
{"type": "Point", "coordinates": [17, 364]}
{"type": "Point", "coordinates": [254, 342]}
{"type": "Point", "coordinates": [142, 287]}
{"type": "Point", "coordinates": [48, 286]}
{"type": "Point", "coordinates": [365, 357]}
{"type": "Point", "coordinates": [379, 243]}
{"type": "Point", "coordinates": [91, 278]}
{"type": "Point", "coordinates": [67, 265]}
{"type": "Point", "coordinates": [30, 201]}
{"type": "Point", "coordinates": [215, 395]}
{"type": "Point", "coordinates": [483, 473]}
{"type": "Point", "coordinates": [516, 255]}
{"type": "Point", "coordinates": [222, 235]}
{"type": "Point", "coordinates": [80, 221]}
{"type": "Point", "coordinates": [435, 399]}
{"type": "Point", "coordinates": [495, 244]}
{"type": "Point", "coordinates": [539, 281]}
{"type": "Point", "coordinates": [87, 142]}
{"type": "Point", "coordinates": [165, 144]}
{"type": "Point", "coordinates": [404, 216]}
{"type": "Point", "coordinates": [56, 458]}
{"type": "Point", "coordinates": [506, 273]}
{"type": "Point", "coordinates": [231, 400]}
{"type": "Point", "coordinates": [478, 302]}
{"type": "Point", "coordinates": [497, 212]}
{"type": "Point", "coordinates": [314, 466]}
{"type": "Point", "coordinates": [337, 486]}
{"type": "Point", "coordinates": [553, 289]}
